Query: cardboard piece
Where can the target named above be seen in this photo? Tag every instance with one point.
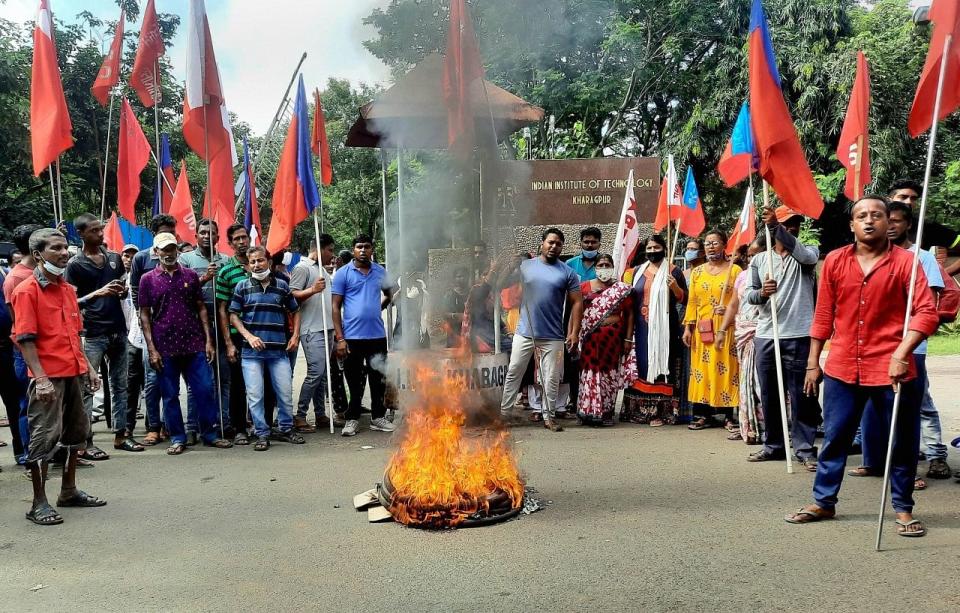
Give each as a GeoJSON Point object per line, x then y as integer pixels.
{"type": "Point", "coordinates": [378, 514]}
{"type": "Point", "coordinates": [366, 500]}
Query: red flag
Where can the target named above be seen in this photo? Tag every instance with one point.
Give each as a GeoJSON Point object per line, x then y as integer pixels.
{"type": "Point", "coordinates": [181, 209]}
{"type": "Point", "coordinates": [109, 74]}
{"type": "Point", "coordinates": [145, 78]}
{"type": "Point", "coordinates": [782, 161]}
{"type": "Point", "coordinates": [50, 126]}
{"type": "Point", "coordinates": [206, 124]}
{"type": "Point", "coordinates": [112, 236]}
{"type": "Point", "coordinates": [668, 206]}
{"type": "Point", "coordinates": [854, 148]}
{"type": "Point", "coordinates": [746, 229]}
{"type": "Point", "coordinates": [461, 67]}
{"type": "Point", "coordinates": [945, 15]}
{"type": "Point", "coordinates": [319, 142]}
{"type": "Point", "coordinates": [133, 153]}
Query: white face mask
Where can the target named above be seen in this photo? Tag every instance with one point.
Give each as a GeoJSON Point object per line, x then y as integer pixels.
{"type": "Point", "coordinates": [260, 276]}
{"type": "Point", "coordinates": [606, 274]}
{"type": "Point", "coordinates": [53, 269]}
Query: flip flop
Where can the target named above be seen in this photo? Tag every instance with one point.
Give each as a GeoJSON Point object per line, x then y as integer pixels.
{"type": "Point", "coordinates": [176, 449]}
{"type": "Point", "coordinates": [44, 515]}
{"type": "Point", "coordinates": [94, 453]}
{"type": "Point", "coordinates": [809, 516]}
{"type": "Point", "coordinates": [81, 499]}
{"type": "Point", "coordinates": [902, 528]}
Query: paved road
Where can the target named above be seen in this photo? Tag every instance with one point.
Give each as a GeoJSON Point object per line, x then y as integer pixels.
{"type": "Point", "coordinates": [639, 519]}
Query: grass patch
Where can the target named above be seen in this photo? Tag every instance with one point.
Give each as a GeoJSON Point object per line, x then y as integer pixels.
{"type": "Point", "coordinates": [944, 344]}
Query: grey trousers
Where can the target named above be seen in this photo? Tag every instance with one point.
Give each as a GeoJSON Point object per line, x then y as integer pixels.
{"type": "Point", "coordinates": [549, 356]}
{"type": "Point", "coordinates": [314, 386]}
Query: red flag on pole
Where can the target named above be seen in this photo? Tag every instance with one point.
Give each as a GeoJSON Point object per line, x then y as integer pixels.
{"type": "Point", "coordinates": [112, 236]}
{"type": "Point", "coordinates": [109, 74]}
{"type": "Point", "coordinates": [853, 151]}
{"type": "Point", "coordinates": [206, 124]}
{"type": "Point", "coordinates": [145, 77]}
{"type": "Point", "coordinates": [671, 193]}
{"type": "Point", "coordinates": [181, 209]}
{"type": "Point", "coordinates": [782, 162]}
{"type": "Point", "coordinates": [319, 142]}
{"type": "Point", "coordinates": [133, 153]}
{"type": "Point", "coordinates": [50, 126]}
{"type": "Point", "coordinates": [945, 15]}
{"type": "Point", "coordinates": [461, 67]}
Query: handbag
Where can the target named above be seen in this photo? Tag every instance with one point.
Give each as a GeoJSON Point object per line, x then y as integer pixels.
{"type": "Point", "coordinates": [705, 328]}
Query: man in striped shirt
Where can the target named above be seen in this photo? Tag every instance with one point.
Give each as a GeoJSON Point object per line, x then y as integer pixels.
{"type": "Point", "coordinates": [258, 311]}
{"type": "Point", "coordinates": [232, 272]}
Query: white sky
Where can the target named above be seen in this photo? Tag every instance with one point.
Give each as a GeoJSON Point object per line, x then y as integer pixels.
{"type": "Point", "coordinates": [258, 43]}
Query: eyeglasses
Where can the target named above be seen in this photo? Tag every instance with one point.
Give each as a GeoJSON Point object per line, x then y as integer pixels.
{"type": "Point", "coordinates": [712, 244]}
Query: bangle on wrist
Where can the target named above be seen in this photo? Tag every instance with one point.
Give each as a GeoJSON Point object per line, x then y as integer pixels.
{"type": "Point", "coordinates": [904, 362]}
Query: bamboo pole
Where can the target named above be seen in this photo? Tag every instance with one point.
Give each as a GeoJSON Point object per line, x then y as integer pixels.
{"type": "Point", "coordinates": [106, 160]}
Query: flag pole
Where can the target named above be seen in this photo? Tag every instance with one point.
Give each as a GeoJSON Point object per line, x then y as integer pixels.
{"type": "Point", "coordinates": [163, 177]}
{"type": "Point", "coordinates": [676, 239]}
{"type": "Point", "coordinates": [913, 275]}
{"type": "Point", "coordinates": [59, 191]}
{"type": "Point", "coordinates": [787, 444]}
{"type": "Point", "coordinates": [386, 252]}
{"type": "Point", "coordinates": [53, 196]}
{"type": "Point", "coordinates": [726, 283]}
{"type": "Point", "coordinates": [328, 397]}
{"type": "Point", "coordinates": [106, 159]}
{"type": "Point", "coordinates": [156, 132]}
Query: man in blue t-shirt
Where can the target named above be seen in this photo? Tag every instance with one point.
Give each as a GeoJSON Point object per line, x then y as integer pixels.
{"type": "Point", "coordinates": [360, 292]}
{"type": "Point", "coordinates": [585, 264]}
{"type": "Point", "coordinates": [548, 287]}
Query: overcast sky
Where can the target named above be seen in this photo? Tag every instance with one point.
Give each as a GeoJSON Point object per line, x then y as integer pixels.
{"type": "Point", "coordinates": [258, 43]}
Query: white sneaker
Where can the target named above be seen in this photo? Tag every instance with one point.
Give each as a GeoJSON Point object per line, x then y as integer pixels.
{"type": "Point", "coordinates": [350, 428]}
{"type": "Point", "coordinates": [381, 424]}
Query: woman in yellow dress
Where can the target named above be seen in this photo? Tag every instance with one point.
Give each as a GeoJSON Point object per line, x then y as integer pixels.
{"type": "Point", "coordinates": [714, 373]}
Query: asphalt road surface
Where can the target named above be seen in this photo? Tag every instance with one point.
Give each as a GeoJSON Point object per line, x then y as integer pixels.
{"type": "Point", "coordinates": [638, 519]}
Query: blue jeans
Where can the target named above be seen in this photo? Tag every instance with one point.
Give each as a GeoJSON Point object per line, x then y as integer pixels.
{"type": "Point", "coordinates": [224, 368]}
{"type": "Point", "coordinates": [151, 394]}
{"type": "Point", "coordinates": [113, 347]}
{"type": "Point", "coordinates": [874, 434]}
{"type": "Point", "coordinates": [281, 377]}
{"type": "Point", "coordinates": [314, 386]}
{"type": "Point", "coordinates": [197, 373]}
{"type": "Point", "coordinates": [843, 406]}
{"type": "Point", "coordinates": [804, 411]}
{"type": "Point", "coordinates": [23, 379]}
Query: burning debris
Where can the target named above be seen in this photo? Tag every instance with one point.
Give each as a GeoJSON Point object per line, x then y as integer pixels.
{"type": "Point", "coordinates": [446, 472]}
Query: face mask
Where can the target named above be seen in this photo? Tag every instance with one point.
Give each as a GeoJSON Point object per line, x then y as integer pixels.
{"type": "Point", "coordinates": [606, 274]}
{"type": "Point", "coordinates": [260, 276]}
{"type": "Point", "coordinates": [714, 257]}
{"type": "Point", "coordinates": [655, 257]}
{"type": "Point", "coordinates": [691, 255]}
{"type": "Point", "coordinates": [589, 255]}
{"type": "Point", "coordinates": [53, 269]}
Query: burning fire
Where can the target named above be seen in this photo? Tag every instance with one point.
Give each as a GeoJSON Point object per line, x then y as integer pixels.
{"type": "Point", "coordinates": [442, 475]}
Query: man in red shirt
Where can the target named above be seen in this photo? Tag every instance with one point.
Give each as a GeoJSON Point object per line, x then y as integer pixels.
{"type": "Point", "coordinates": [58, 369]}
{"type": "Point", "coordinates": [860, 307]}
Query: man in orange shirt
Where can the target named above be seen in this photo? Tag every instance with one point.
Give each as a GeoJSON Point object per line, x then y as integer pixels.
{"type": "Point", "coordinates": [58, 370]}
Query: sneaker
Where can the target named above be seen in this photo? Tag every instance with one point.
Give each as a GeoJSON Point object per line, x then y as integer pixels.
{"type": "Point", "coordinates": [351, 427]}
{"type": "Point", "coordinates": [381, 424]}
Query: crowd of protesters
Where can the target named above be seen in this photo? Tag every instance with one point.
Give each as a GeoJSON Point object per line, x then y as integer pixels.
{"type": "Point", "coordinates": [659, 344]}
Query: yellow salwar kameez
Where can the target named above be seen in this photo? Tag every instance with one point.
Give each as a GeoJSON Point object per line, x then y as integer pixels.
{"type": "Point", "coordinates": [714, 374]}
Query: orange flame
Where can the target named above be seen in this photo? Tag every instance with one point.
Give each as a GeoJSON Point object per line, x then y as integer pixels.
{"type": "Point", "coordinates": [441, 474]}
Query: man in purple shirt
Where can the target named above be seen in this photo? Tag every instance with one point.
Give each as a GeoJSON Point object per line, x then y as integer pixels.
{"type": "Point", "coordinates": [177, 335]}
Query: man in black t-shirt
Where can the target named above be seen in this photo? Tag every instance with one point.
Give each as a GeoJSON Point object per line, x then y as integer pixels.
{"type": "Point", "coordinates": [97, 274]}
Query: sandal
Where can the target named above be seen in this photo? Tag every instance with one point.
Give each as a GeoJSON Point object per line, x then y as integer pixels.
{"type": "Point", "coordinates": [552, 426]}
{"type": "Point", "coordinates": [176, 449]}
{"type": "Point", "coordinates": [752, 440]}
{"type": "Point", "coordinates": [151, 439]}
{"type": "Point", "coordinates": [701, 423]}
{"type": "Point", "coordinates": [656, 423]}
{"type": "Point", "coordinates": [730, 426]}
{"type": "Point", "coordinates": [902, 528]}
{"type": "Point", "coordinates": [83, 462]}
{"type": "Point", "coordinates": [219, 443]}
{"type": "Point", "coordinates": [262, 444]}
{"type": "Point", "coordinates": [128, 444]}
{"type": "Point", "coordinates": [810, 464]}
{"type": "Point", "coordinates": [938, 469]}
{"type": "Point", "coordinates": [863, 471]}
{"type": "Point", "coordinates": [535, 417]}
{"type": "Point", "coordinates": [734, 436]}
{"type": "Point", "coordinates": [809, 515]}
{"type": "Point", "coordinates": [241, 439]}
{"type": "Point", "coordinates": [44, 515]}
{"type": "Point", "coordinates": [94, 453]}
{"type": "Point", "coordinates": [919, 484]}
{"type": "Point", "coordinates": [81, 499]}
{"type": "Point", "coordinates": [288, 437]}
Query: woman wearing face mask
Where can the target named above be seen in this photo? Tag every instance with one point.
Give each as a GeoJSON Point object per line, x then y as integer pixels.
{"type": "Point", "coordinates": [606, 340]}
{"type": "Point", "coordinates": [658, 288]}
{"type": "Point", "coordinates": [714, 371]}
{"type": "Point", "coordinates": [742, 316]}
{"type": "Point", "coordinates": [693, 256]}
